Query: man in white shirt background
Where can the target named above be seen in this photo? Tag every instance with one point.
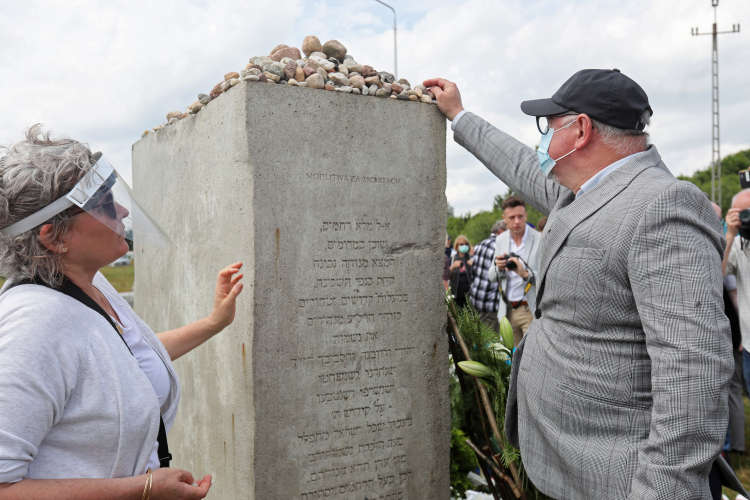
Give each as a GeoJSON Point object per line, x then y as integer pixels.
{"type": "Point", "coordinates": [516, 276]}
{"type": "Point", "coordinates": [737, 263]}
{"type": "Point", "coordinates": [736, 405]}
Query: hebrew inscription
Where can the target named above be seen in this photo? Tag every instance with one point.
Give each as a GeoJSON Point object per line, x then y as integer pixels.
{"type": "Point", "coordinates": [352, 315]}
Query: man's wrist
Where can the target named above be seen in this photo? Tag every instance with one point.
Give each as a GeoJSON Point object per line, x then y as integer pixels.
{"type": "Point", "coordinates": [456, 118]}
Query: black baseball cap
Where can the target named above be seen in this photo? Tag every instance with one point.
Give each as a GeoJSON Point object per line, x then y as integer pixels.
{"type": "Point", "coordinates": [605, 95]}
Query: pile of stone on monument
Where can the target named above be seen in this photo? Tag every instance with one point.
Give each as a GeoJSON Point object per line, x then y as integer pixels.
{"type": "Point", "coordinates": [325, 66]}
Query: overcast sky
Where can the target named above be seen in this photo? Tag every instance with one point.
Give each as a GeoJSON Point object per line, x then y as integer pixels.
{"type": "Point", "coordinates": [102, 72]}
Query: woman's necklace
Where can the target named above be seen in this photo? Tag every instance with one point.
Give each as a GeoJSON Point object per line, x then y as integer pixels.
{"type": "Point", "coordinates": [109, 310]}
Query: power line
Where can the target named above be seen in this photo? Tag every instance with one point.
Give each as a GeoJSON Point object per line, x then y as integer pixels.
{"type": "Point", "coordinates": [715, 141]}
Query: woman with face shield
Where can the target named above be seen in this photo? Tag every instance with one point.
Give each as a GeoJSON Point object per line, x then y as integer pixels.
{"type": "Point", "coordinates": [87, 390]}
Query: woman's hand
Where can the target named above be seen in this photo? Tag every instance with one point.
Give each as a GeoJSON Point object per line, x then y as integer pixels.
{"type": "Point", "coordinates": [177, 484]}
{"type": "Point", "coordinates": [456, 264]}
{"type": "Point", "coordinates": [228, 288]}
{"type": "Point", "coordinates": [182, 340]}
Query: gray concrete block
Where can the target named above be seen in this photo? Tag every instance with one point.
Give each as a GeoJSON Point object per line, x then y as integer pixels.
{"type": "Point", "coordinates": [333, 380]}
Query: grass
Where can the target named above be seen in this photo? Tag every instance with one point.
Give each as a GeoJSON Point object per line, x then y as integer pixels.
{"type": "Point", "coordinates": [741, 463]}
{"type": "Point", "coordinates": [120, 277]}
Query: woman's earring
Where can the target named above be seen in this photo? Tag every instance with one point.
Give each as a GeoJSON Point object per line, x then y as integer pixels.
{"type": "Point", "coordinates": [64, 249]}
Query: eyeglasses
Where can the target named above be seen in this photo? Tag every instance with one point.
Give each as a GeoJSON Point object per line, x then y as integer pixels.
{"type": "Point", "coordinates": [543, 122]}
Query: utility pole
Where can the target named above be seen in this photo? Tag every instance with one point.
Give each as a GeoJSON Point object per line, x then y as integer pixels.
{"type": "Point", "coordinates": [715, 142]}
{"type": "Point", "coordinates": [395, 44]}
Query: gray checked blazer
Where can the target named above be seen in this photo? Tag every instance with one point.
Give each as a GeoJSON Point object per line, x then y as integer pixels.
{"type": "Point", "coordinates": [619, 388]}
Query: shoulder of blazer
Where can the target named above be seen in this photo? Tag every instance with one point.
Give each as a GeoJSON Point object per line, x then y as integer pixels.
{"type": "Point", "coordinates": [535, 235]}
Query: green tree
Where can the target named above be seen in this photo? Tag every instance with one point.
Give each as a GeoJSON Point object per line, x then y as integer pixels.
{"type": "Point", "coordinates": [477, 227]}
{"type": "Point", "coordinates": [463, 461]}
{"type": "Point", "coordinates": [730, 181]}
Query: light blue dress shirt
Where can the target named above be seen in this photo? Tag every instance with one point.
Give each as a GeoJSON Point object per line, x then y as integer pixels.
{"type": "Point", "coordinates": [600, 175]}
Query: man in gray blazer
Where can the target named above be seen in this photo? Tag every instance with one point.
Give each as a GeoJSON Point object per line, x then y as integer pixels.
{"type": "Point", "coordinates": [619, 388]}
{"type": "Point", "coordinates": [517, 287]}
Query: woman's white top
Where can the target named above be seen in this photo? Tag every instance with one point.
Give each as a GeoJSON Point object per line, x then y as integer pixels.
{"type": "Point", "coordinates": [148, 360]}
{"type": "Point", "coordinates": [74, 403]}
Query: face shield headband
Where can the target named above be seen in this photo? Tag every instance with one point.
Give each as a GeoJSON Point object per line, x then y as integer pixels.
{"type": "Point", "coordinates": [104, 195]}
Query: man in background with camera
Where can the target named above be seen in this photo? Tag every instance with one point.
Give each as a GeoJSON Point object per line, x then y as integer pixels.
{"type": "Point", "coordinates": [737, 262]}
{"type": "Point", "coordinates": [516, 276]}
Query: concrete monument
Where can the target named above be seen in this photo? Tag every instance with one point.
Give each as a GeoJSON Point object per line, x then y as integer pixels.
{"type": "Point", "coordinates": [332, 383]}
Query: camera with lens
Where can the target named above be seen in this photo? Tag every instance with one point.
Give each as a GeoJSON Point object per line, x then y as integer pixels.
{"type": "Point", "coordinates": [510, 265]}
{"type": "Point", "coordinates": [745, 223]}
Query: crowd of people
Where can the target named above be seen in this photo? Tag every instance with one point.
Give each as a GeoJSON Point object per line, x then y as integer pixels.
{"type": "Point", "coordinates": [497, 277]}
{"type": "Point", "coordinates": [480, 277]}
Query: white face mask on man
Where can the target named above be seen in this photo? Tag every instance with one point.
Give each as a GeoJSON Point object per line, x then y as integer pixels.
{"type": "Point", "coordinates": [546, 163]}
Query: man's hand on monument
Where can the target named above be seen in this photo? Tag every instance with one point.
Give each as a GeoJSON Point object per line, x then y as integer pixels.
{"type": "Point", "coordinates": [228, 288]}
{"type": "Point", "coordinates": [447, 95]}
{"type": "Point", "coordinates": [177, 484]}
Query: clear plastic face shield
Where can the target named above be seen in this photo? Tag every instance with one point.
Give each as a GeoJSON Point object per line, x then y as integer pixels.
{"type": "Point", "coordinates": [104, 195]}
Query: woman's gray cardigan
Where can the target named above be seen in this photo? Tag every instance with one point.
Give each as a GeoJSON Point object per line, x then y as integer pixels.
{"type": "Point", "coordinates": [73, 401]}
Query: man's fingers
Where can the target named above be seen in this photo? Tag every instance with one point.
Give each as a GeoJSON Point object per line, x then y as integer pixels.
{"type": "Point", "coordinates": [437, 91]}
{"type": "Point", "coordinates": [436, 82]}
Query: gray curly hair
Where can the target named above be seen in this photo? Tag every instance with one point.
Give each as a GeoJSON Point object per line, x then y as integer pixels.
{"type": "Point", "coordinates": [35, 172]}
{"type": "Point", "coordinates": [622, 141]}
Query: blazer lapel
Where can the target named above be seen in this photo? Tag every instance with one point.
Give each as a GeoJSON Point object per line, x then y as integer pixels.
{"type": "Point", "coordinates": [569, 212]}
{"type": "Point", "coordinates": [531, 242]}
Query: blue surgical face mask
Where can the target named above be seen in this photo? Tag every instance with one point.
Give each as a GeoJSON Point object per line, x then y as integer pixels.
{"type": "Point", "coordinates": [546, 163]}
{"type": "Point", "coordinates": [463, 248]}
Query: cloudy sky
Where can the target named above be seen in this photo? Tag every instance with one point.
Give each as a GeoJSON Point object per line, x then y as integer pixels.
{"type": "Point", "coordinates": [104, 71]}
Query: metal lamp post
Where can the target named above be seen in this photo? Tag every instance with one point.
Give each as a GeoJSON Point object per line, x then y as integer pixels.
{"type": "Point", "coordinates": [395, 43]}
